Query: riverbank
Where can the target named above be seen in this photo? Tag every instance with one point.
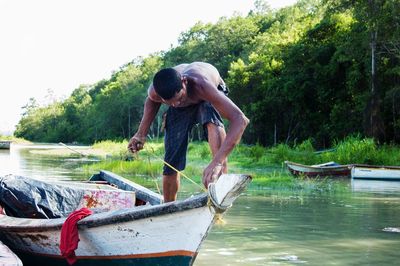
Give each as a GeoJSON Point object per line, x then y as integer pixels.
{"type": "Point", "coordinates": [264, 164]}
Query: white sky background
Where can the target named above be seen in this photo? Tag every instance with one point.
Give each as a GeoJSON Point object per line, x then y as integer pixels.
{"type": "Point", "coordinates": [59, 44]}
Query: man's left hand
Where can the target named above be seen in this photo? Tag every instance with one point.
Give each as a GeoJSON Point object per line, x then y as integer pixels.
{"type": "Point", "coordinates": [211, 173]}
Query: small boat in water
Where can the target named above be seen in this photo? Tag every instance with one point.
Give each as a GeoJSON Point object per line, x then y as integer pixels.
{"type": "Point", "coordinates": [329, 169]}
{"type": "Point", "coordinates": [7, 257]}
{"type": "Point", "coordinates": [148, 233]}
{"type": "Point", "coordinates": [5, 144]}
{"type": "Point", "coordinates": [375, 172]}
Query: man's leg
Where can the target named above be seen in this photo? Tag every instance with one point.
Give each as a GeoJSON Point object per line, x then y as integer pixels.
{"type": "Point", "coordinates": [216, 135]}
{"type": "Point", "coordinates": [170, 186]}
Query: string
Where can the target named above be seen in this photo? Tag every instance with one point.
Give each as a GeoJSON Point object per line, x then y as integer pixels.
{"type": "Point", "coordinates": [173, 168]}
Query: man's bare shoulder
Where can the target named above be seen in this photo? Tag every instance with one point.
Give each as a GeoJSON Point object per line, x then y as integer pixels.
{"type": "Point", "coordinates": [152, 94]}
{"type": "Point", "coordinates": [202, 71]}
{"type": "Point", "coordinates": [181, 67]}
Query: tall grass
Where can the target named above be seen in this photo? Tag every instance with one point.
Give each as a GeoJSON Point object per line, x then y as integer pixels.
{"type": "Point", "coordinates": [356, 150]}
{"type": "Point", "coordinates": [264, 164]}
{"type": "Point", "coordinates": [351, 150]}
{"type": "Point", "coordinates": [302, 153]}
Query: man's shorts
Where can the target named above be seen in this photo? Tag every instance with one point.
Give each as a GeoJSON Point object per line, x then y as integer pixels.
{"type": "Point", "coordinates": [179, 123]}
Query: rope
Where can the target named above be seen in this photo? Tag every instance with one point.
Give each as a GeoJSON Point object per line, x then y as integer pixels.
{"type": "Point", "coordinates": [176, 170]}
{"type": "Point", "coordinates": [210, 202]}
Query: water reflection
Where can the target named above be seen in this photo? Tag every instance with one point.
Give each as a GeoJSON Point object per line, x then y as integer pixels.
{"type": "Point", "coordinates": [376, 186]}
{"type": "Point", "coordinates": [23, 160]}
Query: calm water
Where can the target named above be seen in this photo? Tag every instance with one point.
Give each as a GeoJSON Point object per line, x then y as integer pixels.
{"type": "Point", "coordinates": [357, 226]}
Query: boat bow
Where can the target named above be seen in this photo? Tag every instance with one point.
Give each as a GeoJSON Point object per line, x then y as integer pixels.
{"type": "Point", "coordinates": [226, 190]}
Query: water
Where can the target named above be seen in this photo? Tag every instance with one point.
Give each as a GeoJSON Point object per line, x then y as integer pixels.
{"type": "Point", "coordinates": [359, 225]}
{"type": "Point", "coordinates": [28, 160]}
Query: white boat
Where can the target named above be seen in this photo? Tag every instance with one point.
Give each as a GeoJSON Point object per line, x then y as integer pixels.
{"type": "Point", "coordinates": [5, 144]}
{"type": "Point", "coordinates": [152, 234]}
{"type": "Point", "coordinates": [375, 172]}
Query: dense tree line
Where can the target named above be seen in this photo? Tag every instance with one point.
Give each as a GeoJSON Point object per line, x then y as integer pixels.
{"type": "Point", "coordinates": [319, 70]}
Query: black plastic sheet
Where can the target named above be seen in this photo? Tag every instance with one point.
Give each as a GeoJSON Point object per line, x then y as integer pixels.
{"type": "Point", "coordinates": [31, 198]}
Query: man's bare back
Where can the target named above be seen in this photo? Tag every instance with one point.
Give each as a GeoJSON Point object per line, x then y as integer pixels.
{"type": "Point", "coordinates": [196, 75]}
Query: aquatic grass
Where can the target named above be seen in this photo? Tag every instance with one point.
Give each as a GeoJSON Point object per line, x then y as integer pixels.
{"type": "Point", "coordinates": [199, 151]}
{"type": "Point", "coordinates": [282, 181]}
{"type": "Point", "coordinates": [136, 167]}
{"type": "Point", "coordinates": [265, 165]}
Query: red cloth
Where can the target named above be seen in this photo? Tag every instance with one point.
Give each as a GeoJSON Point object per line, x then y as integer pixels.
{"type": "Point", "coordinates": [69, 234]}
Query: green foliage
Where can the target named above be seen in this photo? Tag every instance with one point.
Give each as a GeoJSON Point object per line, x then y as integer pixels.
{"type": "Point", "coordinates": [301, 72]}
{"type": "Point", "coordinates": [303, 153]}
{"type": "Point", "coordinates": [353, 149]}
{"type": "Point", "coordinates": [281, 153]}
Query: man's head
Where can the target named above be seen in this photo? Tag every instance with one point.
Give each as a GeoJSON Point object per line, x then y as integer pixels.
{"type": "Point", "coordinates": [167, 82]}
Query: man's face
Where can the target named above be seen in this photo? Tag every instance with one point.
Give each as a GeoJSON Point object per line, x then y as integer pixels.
{"type": "Point", "coordinates": [178, 99]}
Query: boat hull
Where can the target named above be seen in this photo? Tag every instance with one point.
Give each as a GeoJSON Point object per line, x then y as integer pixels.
{"type": "Point", "coordinates": [5, 144]}
{"type": "Point", "coordinates": [375, 172]}
{"type": "Point", "coordinates": [318, 171]}
{"type": "Point", "coordinates": [171, 239]}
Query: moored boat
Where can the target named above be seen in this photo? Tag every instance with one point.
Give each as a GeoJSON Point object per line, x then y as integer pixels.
{"type": "Point", "coordinates": [329, 169]}
{"type": "Point", "coordinates": [5, 144]}
{"type": "Point", "coordinates": [149, 233]}
{"type": "Point", "coordinates": [375, 172]}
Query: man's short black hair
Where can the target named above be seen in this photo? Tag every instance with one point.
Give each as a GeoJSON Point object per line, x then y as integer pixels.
{"type": "Point", "coordinates": [167, 82]}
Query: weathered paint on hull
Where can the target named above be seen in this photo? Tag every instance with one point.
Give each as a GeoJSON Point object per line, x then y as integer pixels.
{"type": "Point", "coordinates": [173, 238]}
{"type": "Point", "coordinates": [179, 260]}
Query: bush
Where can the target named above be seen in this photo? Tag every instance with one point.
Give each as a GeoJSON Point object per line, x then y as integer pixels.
{"type": "Point", "coordinates": [354, 150]}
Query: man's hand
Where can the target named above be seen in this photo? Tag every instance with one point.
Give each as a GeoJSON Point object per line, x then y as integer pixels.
{"type": "Point", "coordinates": [211, 173]}
{"type": "Point", "coordinates": [136, 143]}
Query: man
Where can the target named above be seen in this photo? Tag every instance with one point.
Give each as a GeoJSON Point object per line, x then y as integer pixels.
{"type": "Point", "coordinates": [196, 94]}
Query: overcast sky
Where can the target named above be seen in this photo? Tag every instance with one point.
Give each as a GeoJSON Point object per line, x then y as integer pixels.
{"type": "Point", "coordinates": [57, 45]}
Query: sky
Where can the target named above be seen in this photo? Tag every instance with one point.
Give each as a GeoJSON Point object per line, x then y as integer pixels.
{"type": "Point", "coordinates": [53, 46]}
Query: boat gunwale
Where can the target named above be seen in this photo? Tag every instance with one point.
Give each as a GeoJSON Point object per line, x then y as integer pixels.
{"type": "Point", "coordinates": [341, 166]}
{"type": "Point", "coordinates": [394, 167]}
{"type": "Point", "coordinates": [105, 218]}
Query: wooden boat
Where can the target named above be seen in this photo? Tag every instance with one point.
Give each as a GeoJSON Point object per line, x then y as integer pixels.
{"type": "Point", "coordinates": [7, 257]}
{"type": "Point", "coordinates": [5, 144]}
{"type": "Point", "coordinates": [375, 172]}
{"type": "Point", "coordinates": [152, 234]}
{"type": "Point", "coordinates": [329, 169]}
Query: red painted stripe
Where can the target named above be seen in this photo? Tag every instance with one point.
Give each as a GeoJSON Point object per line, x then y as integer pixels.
{"type": "Point", "coordinates": [172, 253]}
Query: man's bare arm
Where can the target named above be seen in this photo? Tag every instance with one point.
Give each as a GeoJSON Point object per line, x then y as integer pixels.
{"type": "Point", "coordinates": [150, 111]}
{"type": "Point", "coordinates": [237, 124]}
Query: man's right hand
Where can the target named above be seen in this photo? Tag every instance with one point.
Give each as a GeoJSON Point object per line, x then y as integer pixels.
{"type": "Point", "coordinates": [136, 143]}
